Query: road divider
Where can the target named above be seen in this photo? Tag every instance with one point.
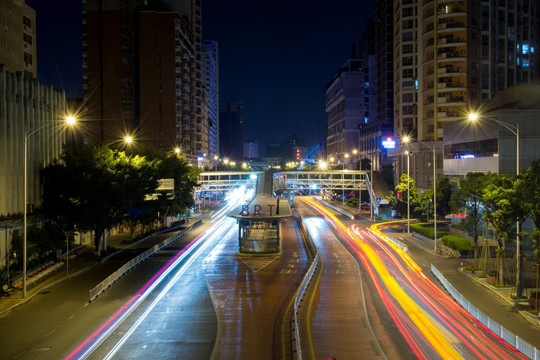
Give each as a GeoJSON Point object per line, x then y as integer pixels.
{"type": "Point", "coordinates": [305, 282]}
{"type": "Point", "coordinates": [111, 279]}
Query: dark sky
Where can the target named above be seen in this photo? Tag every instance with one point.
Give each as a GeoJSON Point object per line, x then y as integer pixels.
{"type": "Point", "coordinates": [275, 56]}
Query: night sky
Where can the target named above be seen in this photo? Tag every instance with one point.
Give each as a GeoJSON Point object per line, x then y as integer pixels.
{"type": "Point", "coordinates": [276, 57]}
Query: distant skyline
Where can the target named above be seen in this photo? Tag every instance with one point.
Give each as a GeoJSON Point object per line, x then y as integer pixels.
{"type": "Point", "coordinates": [274, 57]}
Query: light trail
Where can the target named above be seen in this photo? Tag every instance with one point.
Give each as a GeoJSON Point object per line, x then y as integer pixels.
{"type": "Point", "coordinates": [431, 322]}
{"type": "Point", "coordinates": [193, 248]}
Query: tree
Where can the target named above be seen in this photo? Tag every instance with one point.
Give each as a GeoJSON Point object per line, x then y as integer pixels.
{"type": "Point", "coordinates": [468, 199]}
{"type": "Point", "coordinates": [445, 189]}
{"type": "Point", "coordinates": [185, 180]}
{"type": "Point", "coordinates": [528, 197]}
{"type": "Point", "coordinates": [399, 202]}
{"type": "Point", "coordinates": [82, 190]}
{"type": "Point", "coordinates": [499, 210]}
{"type": "Point", "coordinates": [138, 177]}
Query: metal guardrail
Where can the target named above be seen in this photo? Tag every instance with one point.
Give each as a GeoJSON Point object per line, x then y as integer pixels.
{"type": "Point", "coordinates": [519, 344]}
{"type": "Point", "coordinates": [105, 284]}
{"type": "Point", "coordinates": [304, 285]}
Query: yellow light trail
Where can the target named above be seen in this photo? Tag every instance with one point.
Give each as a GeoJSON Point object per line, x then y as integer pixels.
{"type": "Point", "coordinates": [415, 313]}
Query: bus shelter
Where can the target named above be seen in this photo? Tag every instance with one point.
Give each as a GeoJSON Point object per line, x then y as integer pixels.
{"type": "Point", "coordinates": [259, 224]}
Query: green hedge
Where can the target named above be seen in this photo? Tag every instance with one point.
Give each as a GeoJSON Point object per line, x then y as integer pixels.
{"type": "Point", "coordinates": [426, 229]}
{"type": "Point", "coordinates": [457, 243]}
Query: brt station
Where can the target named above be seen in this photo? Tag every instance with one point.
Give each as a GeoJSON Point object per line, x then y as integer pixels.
{"type": "Point", "coordinates": [259, 220]}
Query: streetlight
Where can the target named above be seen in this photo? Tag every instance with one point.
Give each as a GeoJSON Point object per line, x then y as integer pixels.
{"type": "Point", "coordinates": [406, 140]}
{"type": "Point", "coordinates": [70, 120]}
{"type": "Point", "coordinates": [408, 197]}
{"type": "Point", "coordinates": [514, 130]}
{"type": "Point", "coordinates": [215, 162]}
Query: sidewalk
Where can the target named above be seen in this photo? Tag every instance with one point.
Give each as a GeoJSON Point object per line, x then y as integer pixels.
{"type": "Point", "coordinates": [78, 265]}
{"type": "Point", "coordinates": [494, 302]}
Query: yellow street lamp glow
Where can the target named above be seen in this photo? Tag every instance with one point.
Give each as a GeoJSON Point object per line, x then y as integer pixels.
{"type": "Point", "coordinates": [244, 165]}
{"type": "Point", "coordinates": [177, 150]}
{"type": "Point", "coordinates": [355, 151]}
{"type": "Point", "coordinates": [233, 163]}
{"type": "Point", "coordinates": [215, 157]}
{"type": "Point", "coordinates": [332, 159]}
{"type": "Point", "coordinates": [405, 139]}
{"type": "Point", "coordinates": [71, 120]}
{"type": "Point", "coordinates": [473, 116]}
{"type": "Point", "coordinates": [323, 165]}
{"type": "Point", "coordinates": [128, 139]}
{"type": "Point", "coordinates": [346, 155]}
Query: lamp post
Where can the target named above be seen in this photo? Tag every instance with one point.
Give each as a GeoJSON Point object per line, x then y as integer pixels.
{"type": "Point", "coordinates": [406, 140]}
{"type": "Point", "coordinates": [408, 197]}
{"type": "Point", "coordinates": [70, 120]}
{"type": "Point", "coordinates": [514, 130]}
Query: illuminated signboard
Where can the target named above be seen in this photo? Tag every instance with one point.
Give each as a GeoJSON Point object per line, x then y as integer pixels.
{"type": "Point", "coordinates": [389, 143]}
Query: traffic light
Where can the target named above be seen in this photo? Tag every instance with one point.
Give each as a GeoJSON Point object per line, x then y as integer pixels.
{"type": "Point", "coordinates": [297, 154]}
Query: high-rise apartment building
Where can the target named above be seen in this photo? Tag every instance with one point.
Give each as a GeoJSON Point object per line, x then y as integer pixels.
{"type": "Point", "coordinates": [18, 38]}
{"type": "Point", "coordinates": [142, 73]}
{"type": "Point", "coordinates": [231, 118]}
{"type": "Point", "coordinates": [210, 74]}
{"type": "Point", "coordinates": [449, 57]}
{"type": "Point", "coordinates": [375, 127]}
{"type": "Point", "coordinates": [346, 108]}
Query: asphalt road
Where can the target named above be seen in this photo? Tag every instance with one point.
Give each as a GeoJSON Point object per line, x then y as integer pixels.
{"type": "Point", "coordinates": [52, 323]}
{"type": "Point", "coordinates": [347, 318]}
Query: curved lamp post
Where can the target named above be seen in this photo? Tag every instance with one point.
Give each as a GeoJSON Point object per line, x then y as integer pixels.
{"type": "Point", "coordinates": [407, 140]}
{"type": "Point", "coordinates": [70, 120]}
{"type": "Point", "coordinates": [514, 130]}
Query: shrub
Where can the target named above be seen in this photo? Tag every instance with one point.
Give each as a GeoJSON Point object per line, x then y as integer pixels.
{"type": "Point", "coordinates": [426, 229]}
{"type": "Point", "coordinates": [457, 243]}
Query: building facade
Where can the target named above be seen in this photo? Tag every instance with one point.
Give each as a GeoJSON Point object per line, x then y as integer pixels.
{"type": "Point", "coordinates": [18, 38]}
{"type": "Point", "coordinates": [210, 74]}
{"type": "Point", "coordinates": [449, 58]}
{"type": "Point", "coordinates": [142, 74]}
{"type": "Point", "coordinates": [346, 106]}
{"type": "Point", "coordinates": [251, 149]}
{"type": "Point", "coordinates": [486, 145]}
{"type": "Point", "coordinates": [36, 112]}
{"type": "Point", "coordinates": [231, 141]}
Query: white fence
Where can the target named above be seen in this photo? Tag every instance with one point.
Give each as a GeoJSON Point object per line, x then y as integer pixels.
{"type": "Point", "coordinates": [111, 279]}
{"type": "Point", "coordinates": [519, 344]}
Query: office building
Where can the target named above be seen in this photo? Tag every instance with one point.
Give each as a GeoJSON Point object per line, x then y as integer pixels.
{"type": "Point", "coordinates": [346, 108]}
{"type": "Point", "coordinates": [231, 141]}
{"type": "Point", "coordinates": [251, 149]}
{"type": "Point", "coordinates": [18, 38]}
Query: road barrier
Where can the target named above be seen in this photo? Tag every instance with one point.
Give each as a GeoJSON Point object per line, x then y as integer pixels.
{"type": "Point", "coordinates": [303, 286]}
{"type": "Point", "coordinates": [519, 344]}
{"type": "Point", "coordinates": [111, 279]}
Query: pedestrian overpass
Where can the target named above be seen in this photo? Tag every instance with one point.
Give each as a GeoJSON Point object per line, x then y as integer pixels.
{"type": "Point", "coordinates": [340, 181]}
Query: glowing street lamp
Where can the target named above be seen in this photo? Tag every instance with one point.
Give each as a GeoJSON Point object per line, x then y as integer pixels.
{"type": "Point", "coordinates": [514, 130]}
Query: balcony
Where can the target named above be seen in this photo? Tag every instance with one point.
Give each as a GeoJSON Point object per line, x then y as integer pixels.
{"type": "Point", "coordinates": [451, 100]}
{"type": "Point", "coordinates": [449, 85]}
{"type": "Point", "coordinates": [450, 70]}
